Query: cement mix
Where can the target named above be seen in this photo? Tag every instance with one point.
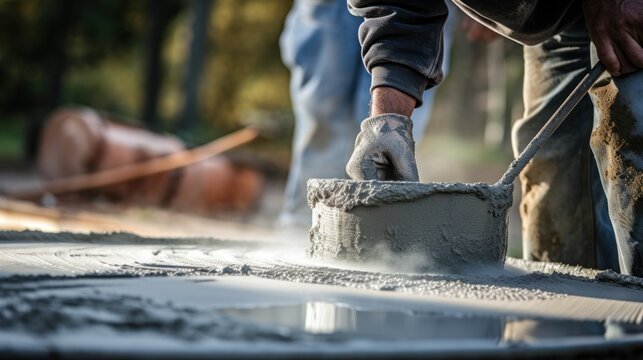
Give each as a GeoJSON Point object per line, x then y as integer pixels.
{"type": "Point", "coordinates": [448, 227]}
{"type": "Point", "coordinates": [28, 256]}
{"type": "Point", "coordinates": [111, 293]}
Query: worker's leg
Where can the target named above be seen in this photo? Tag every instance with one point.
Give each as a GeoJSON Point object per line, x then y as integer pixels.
{"type": "Point", "coordinates": [320, 46]}
{"type": "Point", "coordinates": [617, 142]}
{"type": "Point", "coordinates": [561, 190]}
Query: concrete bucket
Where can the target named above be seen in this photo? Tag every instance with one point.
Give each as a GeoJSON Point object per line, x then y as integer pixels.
{"type": "Point", "coordinates": [409, 226]}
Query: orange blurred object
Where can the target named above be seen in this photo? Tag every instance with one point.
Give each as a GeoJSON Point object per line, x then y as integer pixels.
{"type": "Point", "coordinates": [80, 141]}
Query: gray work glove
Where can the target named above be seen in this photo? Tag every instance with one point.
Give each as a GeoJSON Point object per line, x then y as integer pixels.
{"type": "Point", "coordinates": [384, 150]}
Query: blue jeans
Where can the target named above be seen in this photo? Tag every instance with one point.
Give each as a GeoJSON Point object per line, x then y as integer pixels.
{"type": "Point", "coordinates": [330, 92]}
{"type": "Point", "coordinates": [566, 214]}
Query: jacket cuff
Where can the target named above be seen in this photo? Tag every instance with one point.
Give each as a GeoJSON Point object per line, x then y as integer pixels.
{"type": "Point", "coordinates": [400, 77]}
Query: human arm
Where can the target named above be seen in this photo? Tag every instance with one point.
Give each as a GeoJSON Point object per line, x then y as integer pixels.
{"type": "Point", "coordinates": [402, 43]}
{"type": "Point", "coordinates": [384, 148]}
{"type": "Point", "coordinates": [402, 48]}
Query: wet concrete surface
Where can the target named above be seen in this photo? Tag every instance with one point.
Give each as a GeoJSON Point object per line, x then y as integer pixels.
{"type": "Point", "coordinates": [90, 295]}
{"type": "Point", "coordinates": [398, 325]}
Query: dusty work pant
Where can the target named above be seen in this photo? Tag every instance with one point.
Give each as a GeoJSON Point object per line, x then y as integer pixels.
{"type": "Point", "coordinates": [330, 92]}
{"type": "Point", "coordinates": [566, 215]}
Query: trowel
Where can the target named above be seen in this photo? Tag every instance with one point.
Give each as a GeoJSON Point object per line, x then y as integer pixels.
{"type": "Point", "coordinates": [443, 227]}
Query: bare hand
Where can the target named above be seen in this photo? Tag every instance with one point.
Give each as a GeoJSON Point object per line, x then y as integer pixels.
{"type": "Point", "coordinates": [616, 28]}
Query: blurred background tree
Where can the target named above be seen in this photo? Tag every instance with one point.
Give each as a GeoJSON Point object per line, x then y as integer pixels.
{"type": "Point", "coordinates": [199, 68]}
{"type": "Point", "coordinates": [45, 43]}
{"type": "Point", "coordinates": [202, 68]}
{"type": "Point", "coordinates": [134, 59]}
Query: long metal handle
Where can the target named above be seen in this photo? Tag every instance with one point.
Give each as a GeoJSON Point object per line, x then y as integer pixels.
{"type": "Point", "coordinates": [552, 124]}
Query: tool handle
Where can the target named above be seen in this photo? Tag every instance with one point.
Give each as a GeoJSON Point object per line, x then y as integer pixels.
{"type": "Point", "coordinates": [552, 124]}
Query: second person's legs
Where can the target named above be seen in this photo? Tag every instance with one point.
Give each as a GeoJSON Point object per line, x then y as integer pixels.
{"type": "Point", "coordinates": [320, 46]}
{"type": "Point", "coordinates": [563, 208]}
{"type": "Point", "coordinates": [617, 142]}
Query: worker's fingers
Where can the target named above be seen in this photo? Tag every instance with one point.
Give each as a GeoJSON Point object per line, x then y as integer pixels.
{"type": "Point", "coordinates": [384, 150]}
{"type": "Point", "coordinates": [354, 166]}
{"type": "Point", "coordinates": [363, 165]}
{"type": "Point", "coordinates": [396, 163]}
{"type": "Point", "coordinates": [373, 165]}
{"type": "Point", "coordinates": [616, 28]}
{"type": "Point", "coordinates": [624, 63]}
{"type": "Point", "coordinates": [607, 56]}
{"type": "Point", "coordinates": [404, 165]}
{"type": "Point", "coordinates": [366, 170]}
{"type": "Point", "coordinates": [400, 155]}
{"type": "Point", "coordinates": [632, 53]}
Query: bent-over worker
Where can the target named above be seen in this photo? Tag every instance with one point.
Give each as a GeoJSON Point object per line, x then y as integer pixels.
{"type": "Point", "coordinates": [582, 200]}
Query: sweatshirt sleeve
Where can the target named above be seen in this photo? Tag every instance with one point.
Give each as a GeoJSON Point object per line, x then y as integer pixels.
{"type": "Point", "coordinates": [402, 42]}
{"type": "Point", "coordinates": [528, 22]}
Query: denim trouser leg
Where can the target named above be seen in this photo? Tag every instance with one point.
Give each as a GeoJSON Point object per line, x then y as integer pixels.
{"type": "Point", "coordinates": [617, 142]}
{"type": "Point", "coordinates": [330, 92]}
{"type": "Point", "coordinates": [324, 60]}
{"type": "Point", "coordinates": [562, 208]}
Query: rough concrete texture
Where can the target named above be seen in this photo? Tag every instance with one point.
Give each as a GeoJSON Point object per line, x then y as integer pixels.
{"type": "Point", "coordinates": [82, 296]}
{"type": "Point", "coordinates": [36, 256]}
{"type": "Point", "coordinates": [446, 227]}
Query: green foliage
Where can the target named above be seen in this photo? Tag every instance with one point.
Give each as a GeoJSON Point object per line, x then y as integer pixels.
{"type": "Point", "coordinates": [36, 34]}
{"type": "Point", "coordinates": [95, 51]}
{"type": "Point", "coordinates": [113, 84]}
{"type": "Point", "coordinates": [245, 71]}
{"type": "Point", "coordinates": [11, 133]}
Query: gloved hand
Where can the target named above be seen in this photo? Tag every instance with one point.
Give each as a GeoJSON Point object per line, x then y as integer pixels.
{"type": "Point", "coordinates": [384, 150]}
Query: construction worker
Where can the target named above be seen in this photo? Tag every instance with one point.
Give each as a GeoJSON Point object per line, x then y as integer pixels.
{"type": "Point", "coordinates": [330, 95]}
{"type": "Point", "coordinates": [575, 209]}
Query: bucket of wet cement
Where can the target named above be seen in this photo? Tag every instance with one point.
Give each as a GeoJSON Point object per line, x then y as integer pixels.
{"type": "Point", "coordinates": [408, 226]}
{"type": "Point", "coordinates": [424, 226]}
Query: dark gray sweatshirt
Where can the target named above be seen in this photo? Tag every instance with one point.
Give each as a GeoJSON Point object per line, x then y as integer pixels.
{"type": "Point", "coordinates": [402, 39]}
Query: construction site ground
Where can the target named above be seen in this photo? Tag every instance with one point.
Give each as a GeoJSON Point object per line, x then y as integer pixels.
{"type": "Point", "coordinates": [169, 285]}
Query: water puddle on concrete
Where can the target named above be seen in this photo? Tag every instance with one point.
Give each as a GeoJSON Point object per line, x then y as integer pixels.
{"type": "Point", "coordinates": [349, 323]}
